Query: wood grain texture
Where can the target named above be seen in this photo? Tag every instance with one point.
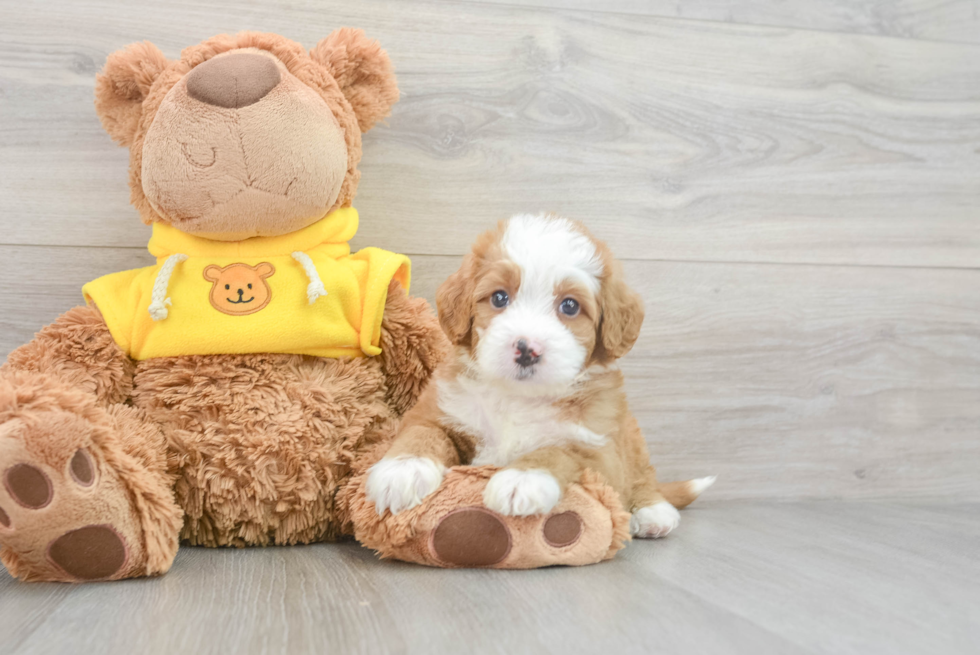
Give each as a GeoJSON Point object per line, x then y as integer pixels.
{"type": "Point", "coordinates": [676, 139]}
{"type": "Point", "coordinates": [939, 20]}
{"type": "Point", "coordinates": [789, 578]}
{"type": "Point", "coordinates": [785, 381]}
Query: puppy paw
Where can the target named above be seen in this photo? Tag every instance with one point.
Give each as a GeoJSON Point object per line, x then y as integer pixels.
{"type": "Point", "coordinates": [654, 521]}
{"type": "Point", "coordinates": [400, 483]}
{"type": "Point", "coordinates": [522, 493]}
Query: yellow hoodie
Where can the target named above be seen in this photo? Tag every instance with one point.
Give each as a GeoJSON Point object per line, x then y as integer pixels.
{"type": "Point", "coordinates": [302, 293]}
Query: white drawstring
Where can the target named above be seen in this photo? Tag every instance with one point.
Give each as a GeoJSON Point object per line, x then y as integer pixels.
{"type": "Point", "coordinates": [158, 306]}
{"type": "Point", "coordinates": [315, 288]}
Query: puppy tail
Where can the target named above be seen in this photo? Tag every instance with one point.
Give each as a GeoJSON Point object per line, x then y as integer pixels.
{"type": "Point", "coordinates": [682, 494]}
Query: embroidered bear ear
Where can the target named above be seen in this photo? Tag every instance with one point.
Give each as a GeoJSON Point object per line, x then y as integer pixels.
{"type": "Point", "coordinates": [122, 86]}
{"type": "Point", "coordinates": [363, 71]}
{"type": "Point", "coordinates": [265, 269]}
{"type": "Point", "coordinates": [212, 273]}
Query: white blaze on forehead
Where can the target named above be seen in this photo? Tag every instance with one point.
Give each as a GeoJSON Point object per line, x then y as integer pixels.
{"type": "Point", "coordinates": [549, 251]}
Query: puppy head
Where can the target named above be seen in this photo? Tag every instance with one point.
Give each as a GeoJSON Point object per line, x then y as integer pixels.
{"type": "Point", "coordinates": [537, 301]}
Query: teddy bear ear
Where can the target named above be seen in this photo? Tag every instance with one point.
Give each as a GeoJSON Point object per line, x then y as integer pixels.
{"type": "Point", "coordinates": [122, 86]}
{"type": "Point", "coordinates": [363, 71]}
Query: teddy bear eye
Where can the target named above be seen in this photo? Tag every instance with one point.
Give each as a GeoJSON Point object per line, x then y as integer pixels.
{"type": "Point", "coordinates": [227, 286]}
{"type": "Point", "coordinates": [249, 285]}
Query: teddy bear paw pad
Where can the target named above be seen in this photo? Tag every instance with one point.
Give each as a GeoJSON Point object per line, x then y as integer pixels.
{"type": "Point", "coordinates": [471, 537]}
{"type": "Point", "coordinates": [93, 552]}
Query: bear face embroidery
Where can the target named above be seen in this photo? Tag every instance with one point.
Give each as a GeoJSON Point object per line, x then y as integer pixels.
{"type": "Point", "coordinates": [240, 289]}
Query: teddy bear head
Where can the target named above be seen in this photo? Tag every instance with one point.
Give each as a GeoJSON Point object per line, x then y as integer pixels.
{"type": "Point", "coordinates": [245, 135]}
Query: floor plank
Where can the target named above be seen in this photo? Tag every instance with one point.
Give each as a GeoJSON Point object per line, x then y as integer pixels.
{"type": "Point", "coordinates": [679, 140]}
{"type": "Point", "coordinates": [786, 381]}
{"type": "Point", "coordinates": [938, 20]}
{"type": "Point", "coordinates": [868, 578]}
{"type": "Point", "coordinates": [735, 578]}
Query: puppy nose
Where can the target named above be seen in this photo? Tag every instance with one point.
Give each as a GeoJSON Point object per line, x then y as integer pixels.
{"type": "Point", "coordinates": [528, 352]}
{"type": "Point", "coordinates": [233, 81]}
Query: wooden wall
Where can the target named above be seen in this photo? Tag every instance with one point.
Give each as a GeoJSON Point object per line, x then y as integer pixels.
{"type": "Point", "coordinates": [794, 188]}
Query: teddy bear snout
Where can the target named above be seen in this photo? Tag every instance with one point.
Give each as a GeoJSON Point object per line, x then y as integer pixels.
{"type": "Point", "coordinates": [234, 80]}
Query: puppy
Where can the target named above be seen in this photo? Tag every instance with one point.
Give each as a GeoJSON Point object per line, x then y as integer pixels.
{"type": "Point", "coordinates": [539, 313]}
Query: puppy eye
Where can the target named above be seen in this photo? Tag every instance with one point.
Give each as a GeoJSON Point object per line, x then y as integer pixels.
{"type": "Point", "coordinates": [499, 299]}
{"type": "Point", "coordinates": [249, 285]}
{"type": "Point", "coordinates": [568, 307]}
{"type": "Point", "coordinates": [227, 286]}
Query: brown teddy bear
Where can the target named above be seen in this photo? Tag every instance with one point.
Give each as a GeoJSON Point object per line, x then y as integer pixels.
{"type": "Point", "coordinates": [236, 392]}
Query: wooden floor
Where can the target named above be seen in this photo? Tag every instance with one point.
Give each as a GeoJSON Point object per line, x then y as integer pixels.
{"type": "Point", "coordinates": [795, 189]}
{"type": "Point", "coordinates": [745, 577]}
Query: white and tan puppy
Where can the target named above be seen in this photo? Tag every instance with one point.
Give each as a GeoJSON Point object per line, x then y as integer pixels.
{"type": "Point", "coordinates": [539, 312]}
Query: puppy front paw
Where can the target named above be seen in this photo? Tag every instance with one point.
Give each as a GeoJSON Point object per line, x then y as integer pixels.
{"type": "Point", "coordinates": [400, 483]}
{"type": "Point", "coordinates": [654, 521]}
{"type": "Point", "coordinates": [522, 493]}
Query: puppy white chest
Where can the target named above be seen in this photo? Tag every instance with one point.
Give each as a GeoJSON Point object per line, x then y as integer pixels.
{"type": "Point", "coordinates": [506, 425]}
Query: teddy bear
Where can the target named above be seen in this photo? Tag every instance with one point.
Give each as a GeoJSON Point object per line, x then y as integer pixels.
{"type": "Point", "coordinates": [236, 392]}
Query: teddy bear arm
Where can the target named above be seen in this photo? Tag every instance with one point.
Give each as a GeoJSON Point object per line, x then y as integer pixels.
{"type": "Point", "coordinates": [412, 346]}
{"type": "Point", "coordinates": [77, 350]}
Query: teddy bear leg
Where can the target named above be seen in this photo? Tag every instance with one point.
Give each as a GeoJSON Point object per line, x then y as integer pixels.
{"type": "Point", "coordinates": [85, 494]}
{"type": "Point", "coordinates": [452, 528]}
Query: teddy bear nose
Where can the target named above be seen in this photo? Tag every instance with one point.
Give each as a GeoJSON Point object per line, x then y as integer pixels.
{"type": "Point", "coordinates": [233, 81]}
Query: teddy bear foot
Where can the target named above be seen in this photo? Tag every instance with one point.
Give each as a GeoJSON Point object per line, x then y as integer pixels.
{"type": "Point", "coordinates": [452, 528]}
{"type": "Point", "coordinates": [66, 513]}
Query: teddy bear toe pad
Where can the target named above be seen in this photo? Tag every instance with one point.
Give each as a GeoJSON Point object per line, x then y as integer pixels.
{"type": "Point", "coordinates": [64, 516]}
{"type": "Point", "coordinates": [563, 529]}
{"type": "Point", "coordinates": [28, 486]}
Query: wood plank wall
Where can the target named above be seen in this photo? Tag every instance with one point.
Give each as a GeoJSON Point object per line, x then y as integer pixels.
{"type": "Point", "coordinates": [794, 188]}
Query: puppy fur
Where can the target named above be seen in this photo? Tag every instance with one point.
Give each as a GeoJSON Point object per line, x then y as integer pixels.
{"type": "Point", "coordinates": [538, 313]}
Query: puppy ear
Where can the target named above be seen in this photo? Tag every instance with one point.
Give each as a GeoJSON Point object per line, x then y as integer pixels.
{"type": "Point", "coordinates": [621, 316]}
{"type": "Point", "coordinates": [455, 302]}
{"type": "Point", "coordinates": [122, 86]}
{"type": "Point", "coordinates": [363, 71]}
